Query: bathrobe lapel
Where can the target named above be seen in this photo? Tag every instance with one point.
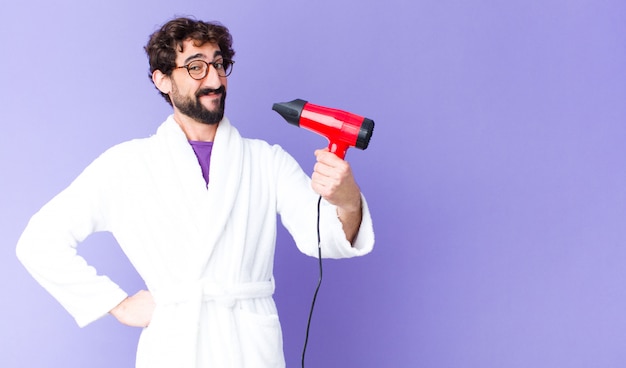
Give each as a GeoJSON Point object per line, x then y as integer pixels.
{"type": "Point", "coordinates": [208, 209]}
{"type": "Point", "coordinates": [225, 180]}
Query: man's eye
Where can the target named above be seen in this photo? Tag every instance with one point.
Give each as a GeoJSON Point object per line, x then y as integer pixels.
{"type": "Point", "coordinates": [218, 65]}
{"type": "Point", "coordinates": [195, 68]}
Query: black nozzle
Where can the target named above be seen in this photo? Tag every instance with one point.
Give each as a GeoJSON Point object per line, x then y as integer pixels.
{"type": "Point", "coordinates": [290, 111]}
{"type": "Point", "coordinates": [365, 133]}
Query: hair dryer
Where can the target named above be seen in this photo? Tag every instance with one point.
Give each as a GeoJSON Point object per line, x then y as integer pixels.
{"type": "Point", "coordinates": [343, 129]}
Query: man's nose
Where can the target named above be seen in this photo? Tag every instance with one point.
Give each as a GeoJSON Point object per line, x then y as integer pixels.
{"type": "Point", "coordinates": [212, 78]}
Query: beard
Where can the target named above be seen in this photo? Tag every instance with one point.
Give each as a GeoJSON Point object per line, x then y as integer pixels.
{"type": "Point", "coordinates": [193, 108]}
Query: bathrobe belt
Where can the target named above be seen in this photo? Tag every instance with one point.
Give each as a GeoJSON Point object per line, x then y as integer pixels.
{"type": "Point", "coordinates": [188, 299]}
{"type": "Point", "coordinates": [206, 290]}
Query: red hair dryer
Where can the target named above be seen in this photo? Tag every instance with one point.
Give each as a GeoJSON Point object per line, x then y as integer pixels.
{"type": "Point", "coordinates": [343, 129]}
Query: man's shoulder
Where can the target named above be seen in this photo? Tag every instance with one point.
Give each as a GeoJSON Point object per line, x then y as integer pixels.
{"type": "Point", "coordinates": [128, 150]}
{"type": "Point", "coordinates": [132, 145]}
{"type": "Point", "coordinates": [263, 146]}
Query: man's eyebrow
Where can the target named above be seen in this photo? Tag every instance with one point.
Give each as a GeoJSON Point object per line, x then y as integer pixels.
{"type": "Point", "coordinates": [201, 56]}
{"type": "Point", "coordinates": [192, 57]}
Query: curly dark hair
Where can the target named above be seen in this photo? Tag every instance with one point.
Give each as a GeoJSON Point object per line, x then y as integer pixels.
{"type": "Point", "coordinates": [163, 44]}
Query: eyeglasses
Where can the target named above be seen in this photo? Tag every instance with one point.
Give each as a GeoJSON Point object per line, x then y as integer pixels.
{"type": "Point", "coordinates": [198, 69]}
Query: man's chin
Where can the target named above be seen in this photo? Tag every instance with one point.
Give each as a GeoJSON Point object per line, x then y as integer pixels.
{"type": "Point", "coordinates": [204, 110]}
{"type": "Point", "coordinates": [210, 117]}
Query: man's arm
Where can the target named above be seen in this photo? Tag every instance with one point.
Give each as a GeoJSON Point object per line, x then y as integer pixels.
{"type": "Point", "coordinates": [332, 178]}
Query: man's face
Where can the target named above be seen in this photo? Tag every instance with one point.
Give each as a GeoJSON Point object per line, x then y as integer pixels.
{"type": "Point", "coordinates": [202, 100]}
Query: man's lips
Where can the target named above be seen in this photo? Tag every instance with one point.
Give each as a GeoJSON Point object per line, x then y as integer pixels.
{"type": "Point", "coordinates": [212, 95]}
{"type": "Point", "coordinates": [211, 92]}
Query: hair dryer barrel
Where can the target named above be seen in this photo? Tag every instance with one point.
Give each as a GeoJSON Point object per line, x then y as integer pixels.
{"type": "Point", "coordinates": [343, 129]}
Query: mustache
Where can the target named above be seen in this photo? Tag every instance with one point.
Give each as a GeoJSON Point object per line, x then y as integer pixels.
{"type": "Point", "coordinates": [208, 91]}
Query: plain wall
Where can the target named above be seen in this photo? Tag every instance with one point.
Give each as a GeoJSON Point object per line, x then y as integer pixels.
{"type": "Point", "coordinates": [495, 175]}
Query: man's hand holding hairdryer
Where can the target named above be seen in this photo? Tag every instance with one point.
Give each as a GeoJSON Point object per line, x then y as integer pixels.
{"type": "Point", "coordinates": [332, 179]}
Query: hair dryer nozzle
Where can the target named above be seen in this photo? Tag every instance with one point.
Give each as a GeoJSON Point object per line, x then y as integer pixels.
{"type": "Point", "coordinates": [290, 111]}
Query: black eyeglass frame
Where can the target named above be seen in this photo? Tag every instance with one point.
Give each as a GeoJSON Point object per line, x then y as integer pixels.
{"type": "Point", "coordinates": [223, 67]}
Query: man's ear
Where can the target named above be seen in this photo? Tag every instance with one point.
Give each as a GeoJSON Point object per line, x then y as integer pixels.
{"type": "Point", "coordinates": [162, 82]}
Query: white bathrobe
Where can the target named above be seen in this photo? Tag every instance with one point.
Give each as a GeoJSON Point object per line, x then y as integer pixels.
{"type": "Point", "coordinates": [206, 254]}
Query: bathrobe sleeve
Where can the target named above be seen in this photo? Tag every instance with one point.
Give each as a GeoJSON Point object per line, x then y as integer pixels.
{"type": "Point", "coordinates": [297, 206]}
{"type": "Point", "coordinates": [47, 248]}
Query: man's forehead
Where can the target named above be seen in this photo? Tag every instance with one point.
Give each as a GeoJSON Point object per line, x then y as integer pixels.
{"type": "Point", "coordinates": [190, 46]}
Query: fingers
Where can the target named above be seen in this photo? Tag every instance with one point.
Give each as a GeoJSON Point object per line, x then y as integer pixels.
{"type": "Point", "coordinates": [136, 310]}
{"type": "Point", "coordinates": [329, 171]}
{"type": "Point", "coordinates": [326, 156]}
{"type": "Point", "coordinates": [332, 178]}
{"type": "Point", "coordinates": [329, 165]}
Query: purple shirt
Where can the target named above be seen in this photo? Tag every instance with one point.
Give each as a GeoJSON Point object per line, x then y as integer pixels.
{"type": "Point", "coordinates": [203, 153]}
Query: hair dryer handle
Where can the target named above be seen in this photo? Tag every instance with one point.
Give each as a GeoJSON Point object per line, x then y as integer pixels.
{"type": "Point", "coordinates": [338, 148]}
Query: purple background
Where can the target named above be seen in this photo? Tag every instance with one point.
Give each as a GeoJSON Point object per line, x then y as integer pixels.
{"type": "Point", "coordinates": [496, 173]}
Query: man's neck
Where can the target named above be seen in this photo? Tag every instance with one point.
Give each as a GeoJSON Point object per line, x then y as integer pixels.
{"type": "Point", "coordinates": [195, 130]}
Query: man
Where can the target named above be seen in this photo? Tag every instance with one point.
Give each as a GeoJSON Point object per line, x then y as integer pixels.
{"type": "Point", "coordinates": [194, 209]}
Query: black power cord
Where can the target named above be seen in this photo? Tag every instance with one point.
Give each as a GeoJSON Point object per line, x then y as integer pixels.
{"type": "Point", "coordinates": [319, 282]}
